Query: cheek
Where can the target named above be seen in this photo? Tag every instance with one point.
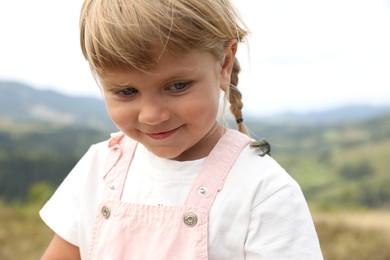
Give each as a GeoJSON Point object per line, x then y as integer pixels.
{"type": "Point", "coordinates": [119, 113]}
{"type": "Point", "coordinates": [202, 109]}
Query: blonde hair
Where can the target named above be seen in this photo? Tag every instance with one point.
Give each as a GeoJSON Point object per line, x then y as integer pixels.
{"type": "Point", "coordinates": [132, 34]}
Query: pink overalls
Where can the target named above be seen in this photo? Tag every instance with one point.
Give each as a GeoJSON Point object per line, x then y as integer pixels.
{"type": "Point", "coordinates": [132, 231]}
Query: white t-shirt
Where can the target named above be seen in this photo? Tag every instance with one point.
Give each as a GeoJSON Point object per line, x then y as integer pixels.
{"type": "Point", "coordinates": [156, 181]}
{"type": "Point", "coordinates": [259, 214]}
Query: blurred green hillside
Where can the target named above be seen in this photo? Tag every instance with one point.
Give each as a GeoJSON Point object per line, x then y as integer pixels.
{"type": "Point", "coordinates": [342, 165]}
{"type": "Point", "coordinates": [337, 165]}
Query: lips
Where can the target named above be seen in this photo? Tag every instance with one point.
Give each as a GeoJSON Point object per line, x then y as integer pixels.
{"type": "Point", "coordinates": [162, 135]}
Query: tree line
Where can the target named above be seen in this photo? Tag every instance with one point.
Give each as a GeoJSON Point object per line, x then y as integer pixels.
{"type": "Point", "coordinates": [341, 164]}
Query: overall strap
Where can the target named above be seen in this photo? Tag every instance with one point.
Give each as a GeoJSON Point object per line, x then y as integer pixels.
{"type": "Point", "coordinates": [217, 166]}
{"type": "Point", "coordinates": [121, 153]}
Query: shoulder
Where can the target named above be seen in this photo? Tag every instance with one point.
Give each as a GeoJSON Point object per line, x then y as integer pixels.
{"type": "Point", "coordinates": [260, 176]}
{"type": "Point", "coordinates": [261, 167]}
{"type": "Point", "coordinates": [92, 163]}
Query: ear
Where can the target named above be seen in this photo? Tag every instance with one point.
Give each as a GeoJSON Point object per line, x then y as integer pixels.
{"type": "Point", "coordinates": [227, 63]}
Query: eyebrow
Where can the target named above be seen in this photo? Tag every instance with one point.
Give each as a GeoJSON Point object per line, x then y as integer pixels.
{"type": "Point", "coordinates": [175, 75]}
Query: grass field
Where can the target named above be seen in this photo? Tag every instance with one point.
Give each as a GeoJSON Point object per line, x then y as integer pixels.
{"type": "Point", "coordinates": [22, 234]}
{"type": "Point", "coordinates": [358, 235]}
{"type": "Point", "coordinates": [354, 235]}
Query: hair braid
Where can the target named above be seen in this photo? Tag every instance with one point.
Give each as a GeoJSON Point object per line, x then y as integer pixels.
{"type": "Point", "coordinates": [235, 98]}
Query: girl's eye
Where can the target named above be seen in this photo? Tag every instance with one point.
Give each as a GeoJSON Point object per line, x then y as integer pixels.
{"type": "Point", "coordinates": [179, 86]}
{"type": "Point", "coordinates": [127, 92]}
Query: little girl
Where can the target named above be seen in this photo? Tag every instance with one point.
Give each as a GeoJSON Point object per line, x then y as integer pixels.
{"type": "Point", "coordinates": [173, 183]}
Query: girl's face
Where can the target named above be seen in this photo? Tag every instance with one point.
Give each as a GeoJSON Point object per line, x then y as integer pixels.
{"type": "Point", "coordinates": [171, 109]}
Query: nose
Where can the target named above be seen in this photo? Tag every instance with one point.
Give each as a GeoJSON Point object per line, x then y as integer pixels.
{"type": "Point", "coordinates": [153, 111]}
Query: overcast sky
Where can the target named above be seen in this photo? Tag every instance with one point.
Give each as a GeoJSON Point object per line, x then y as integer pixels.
{"type": "Point", "coordinates": [303, 54]}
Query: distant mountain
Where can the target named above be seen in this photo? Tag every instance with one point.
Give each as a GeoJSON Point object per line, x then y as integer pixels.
{"type": "Point", "coordinates": [334, 116]}
{"type": "Point", "coordinates": [22, 103]}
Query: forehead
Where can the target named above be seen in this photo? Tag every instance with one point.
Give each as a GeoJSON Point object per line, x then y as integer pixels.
{"type": "Point", "coordinates": [168, 65]}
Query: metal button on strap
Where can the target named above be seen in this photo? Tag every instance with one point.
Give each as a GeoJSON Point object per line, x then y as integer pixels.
{"type": "Point", "coordinates": [106, 212]}
{"type": "Point", "coordinates": [190, 219]}
{"type": "Point", "coordinates": [202, 191]}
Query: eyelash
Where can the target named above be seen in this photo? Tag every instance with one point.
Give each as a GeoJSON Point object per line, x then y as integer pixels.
{"type": "Point", "coordinates": [175, 87]}
{"type": "Point", "coordinates": [183, 86]}
{"type": "Point", "coordinates": [126, 92]}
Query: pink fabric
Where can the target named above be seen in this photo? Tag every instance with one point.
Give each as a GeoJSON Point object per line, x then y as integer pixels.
{"type": "Point", "coordinates": [131, 231]}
